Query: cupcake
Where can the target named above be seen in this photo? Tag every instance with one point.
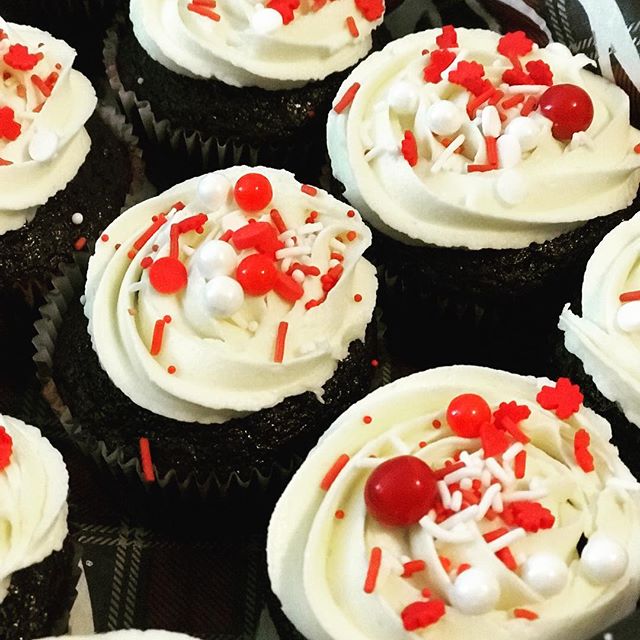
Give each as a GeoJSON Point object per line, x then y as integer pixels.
{"type": "Point", "coordinates": [215, 84]}
{"type": "Point", "coordinates": [459, 502]}
{"type": "Point", "coordinates": [488, 193]}
{"type": "Point", "coordinates": [40, 563]}
{"type": "Point", "coordinates": [224, 328]}
{"type": "Point", "coordinates": [131, 634]}
{"type": "Point", "coordinates": [54, 149]}
{"type": "Point", "coordinates": [600, 335]}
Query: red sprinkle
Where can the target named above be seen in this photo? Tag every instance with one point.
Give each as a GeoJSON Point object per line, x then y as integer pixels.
{"type": "Point", "coordinates": [352, 26]}
{"type": "Point", "coordinates": [203, 11]}
{"type": "Point", "coordinates": [583, 456]}
{"type": "Point", "coordinates": [357, 297]}
{"type": "Point", "coordinates": [462, 568]}
{"type": "Point", "coordinates": [280, 341]}
{"type": "Point", "coordinates": [419, 615]}
{"type": "Point", "coordinates": [490, 536]}
{"type": "Point", "coordinates": [512, 101]}
{"type": "Point", "coordinates": [436, 424]}
{"type": "Point", "coordinates": [145, 459]}
{"type": "Point", "coordinates": [346, 99]}
{"type": "Point", "coordinates": [351, 213]}
{"type": "Point", "coordinates": [477, 101]}
{"type": "Point", "coordinates": [494, 441]}
{"type": "Point", "coordinates": [171, 369]}
{"type": "Point", "coordinates": [413, 566]}
{"type": "Point", "coordinates": [104, 237]}
{"type": "Point", "coordinates": [18, 57]}
{"type": "Point", "coordinates": [142, 240]}
{"type": "Point", "coordinates": [339, 514]}
{"type": "Point", "coordinates": [449, 467]}
{"type": "Point", "coordinates": [526, 614]}
{"type": "Point", "coordinates": [367, 419]}
{"type": "Point", "coordinates": [445, 562]}
{"type": "Point", "coordinates": [41, 85]}
{"type": "Point", "coordinates": [80, 243]}
{"type": "Point", "coordinates": [409, 148]}
{"type": "Point", "coordinates": [309, 190]}
{"type": "Point", "coordinates": [565, 398]}
{"type": "Point", "coordinates": [520, 465]}
{"type": "Point", "coordinates": [506, 557]}
{"type": "Point", "coordinates": [492, 150]}
{"type": "Point", "coordinates": [529, 105]}
{"type": "Point", "coordinates": [374, 363]}
{"type": "Point", "coordinates": [372, 572]}
{"type": "Point", "coordinates": [277, 220]}
{"type": "Point", "coordinates": [629, 296]}
{"type": "Point", "coordinates": [332, 474]}
{"type": "Point", "coordinates": [156, 340]}
{"type": "Point", "coordinates": [448, 39]}
{"type": "Point", "coordinates": [637, 148]}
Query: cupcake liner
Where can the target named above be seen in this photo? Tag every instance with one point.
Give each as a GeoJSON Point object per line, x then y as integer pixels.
{"type": "Point", "coordinates": [192, 153]}
{"type": "Point", "coordinates": [117, 460]}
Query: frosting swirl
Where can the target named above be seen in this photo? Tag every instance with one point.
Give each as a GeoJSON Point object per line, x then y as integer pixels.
{"type": "Point", "coordinates": [523, 575]}
{"type": "Point", "coordinates": [44, 104]}
{"type": "Point", "coordinates": [445, 141]}
{"type": "Point", "coordinates": [606, 337]}
{"type": "Point", "coordinates": [33, 493]}
{"type": "Point", "coordinates": [259, 306]}
{"type": "Point", "coordinates": [245, 43]}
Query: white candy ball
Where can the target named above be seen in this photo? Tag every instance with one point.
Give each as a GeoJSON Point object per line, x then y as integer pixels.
{"type": "Point", "coordinates": [545, 573]}
{"type": "Point", "coordinates": [213, 190]}
{"type": "Point", "coordinates": [444, 118]}
{"type": "Point", "coordinates": [491, 123]}
{"type": "Point", "coordinates": [403, 97]}
{"type": "Point", "coordinates": [511, 187]}
{"type": "Point", "coordinates": [266, 21]}
{"type": "Point", "coordinates": [526, 130]}
{"type": "Point", "coordinates": [223, 296]}
{"type": "Point", "coordinates": [628, 316]}
{"type": "Point", "coordinates": [603, 559]}
{"type": "Point", "coordinates": [43, 145]}
{"type": "Point", "coordinates": [509, 153]}
{"type": "Point", "coordinates": [475, 591]}
{"type": "Point", "coordinates": [216, 258]}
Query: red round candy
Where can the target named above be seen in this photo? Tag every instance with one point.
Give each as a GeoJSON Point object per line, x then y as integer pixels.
{"type": "Point", "coordinates": [467, 413]}
{"type": "Point", "coordinates": [400, 491]}
{"type": "Point", "coordinates": [256, 274]}
{"type": "Point", "coordinates": [168, 275]}
{"type": "Point", "coordinates": [569, 107]}
{"type": "Point", "coordinates": [253, 192]}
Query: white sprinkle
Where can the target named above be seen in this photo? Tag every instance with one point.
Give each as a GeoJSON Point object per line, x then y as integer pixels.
{"type": "Point", "coordinates": [445, 494]}
{"type": "Point", "coordinates": [187, 249]}
{"type": "Point", "coordinates": [491, 125]}
{"type": "Point", "coordinates": [375, 152]}
{"type": "Point", "coordinates": [487, 500]}
{"type": "Point", "coordinates": [458, 474]}
{"type": "Point", "coordinates": [398, 444]}
{"type": "Point", "coordinates": [292, 252]}
{"type": "Point", "coordinates": [440, 533]}
{"type": "Point", "coordinates": [368, 463]}
{"type": "Point", "coordinates": [135, 286]}
{"type": "Point", "coordinates": [447, 153]}
{"type": "Point", "coordinates": [497, 471]}
{"type": "Point", "coordinates": [466, 484]}
{"type": "Point", "coordinates": [456, 501]}
{"type": "Point", "coordinates": [297, 275]}
{"type": "Point", "coordinates": [290, 242]}
{"type": "Point", "coordinates": [516, 496]}
{"type": "Point", "coordinates": [525, 88]}
{"type": "Point", "coordinates": [77, 218]}
{"type": "Point", "coordinates": [285, 265]}
{"type": "Point", "coordinates": [311, 227]}
{"type": "Point", "coordinates": [285, 235]}
{"type": "Point", "coordinates": [607, 636]}
{"type": "Point", "coordinates": [140, 80]}
{"type": "Point", "coordinates": [337, 245]}
{"type": "Point", "coordinates": [462, 516]}
{"type": "Point", "coordinates": [485, 477]}
{"type": "Point", "coordinates": [506, 466]}
{"type": "Point", "coordinates": [83, 299]}
{"type": "Point", "coordinates": [496, 504]}
{"type": "Point", "coordinates": [508, 538]}
{"type": "Point", "coordinates": [333, 262]}
{"type": "Point", "coordinates": [512, 451]}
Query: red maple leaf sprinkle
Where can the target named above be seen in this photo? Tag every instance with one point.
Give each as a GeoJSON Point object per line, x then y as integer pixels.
{"type": "Point", "coordinates": [9, 128]}
{"type": "Point", "coordinates": [285, 8]}
{"type": "Point", "coordinates": [514, 43]}
{"type": "Point", "coordinates": [540, 72]}
{"type": "Point", "coordinates": [370, 9]}
{"type": "Point", "coordinates": [419, 615]}
{"type": "Point", "coordinates": [448, 39]}
{"type": "Point", "coordinates": [470, 75]}
{"type": "Point", "coordinates": [512, 410]}
{"type": "Point", "coordinates": [6, 447]}
{"type": "Point", "coordinates": [18, 57]}
{"type": "Point", "coordinates": [410, 148]}
{"type": "Point", "coordinates": [565, 398]}
{"type": "Point", "coordinates": [494, 441]}
{"type": "Point", "coordinates": [581, 442]}
{"type": "Point", "coordinates": [439, 60]}
{"type": "Point", "coordinates": [516, 77]}
{"type": "Point", "coordinates": [531, 516]}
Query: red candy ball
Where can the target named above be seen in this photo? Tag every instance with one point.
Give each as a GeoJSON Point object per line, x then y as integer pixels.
{"type": "Point", "coordinates": [569, 107]}
{"type": "Point", "coordinates": [467, 413]}
{"type": "Point", "coordinates": [400, 491]}
{"type": "Point", "coordinates": [256, 274]}
{"type": "Point", "coordinates": [253, 192]}
{"type": "Point", "coordinates": [168, 275]}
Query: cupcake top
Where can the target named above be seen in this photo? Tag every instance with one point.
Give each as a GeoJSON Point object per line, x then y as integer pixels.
{"type": "Point", "coordinates": [44, 104]}
{"type": "Point", "coordinates": [33, 496]}
{"type": "Point", "coordinates": [131, 634]}
{"type": "Point", "coordinates": [460, 137]}
{"type": "Point", "coordinates": [459, 501]}
{"type": "Point", "coordinates": [228, 293]}
{"type": "Point", "coordinates": [273, 44]}
{"type": "Point", "coordinates": [606, 338]}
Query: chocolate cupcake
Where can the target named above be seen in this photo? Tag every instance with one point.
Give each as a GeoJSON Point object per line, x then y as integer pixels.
{"type": "Point", "coordinates": [40, 563]}
{"type": "Point", "coordinates": [487, 201]}
{"type": "Point", "coordinates": [216, 84]}
{"type": "Point", "coordinates": [475, 502]}
{"type": "Point", "coordinates": [226, 329]}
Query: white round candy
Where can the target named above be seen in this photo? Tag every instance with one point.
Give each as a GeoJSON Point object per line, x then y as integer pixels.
{"type": "Point", "coordinates": [216, 258]}
{"type": "Point", "coordinates": [545, 573]}
{"type": "Point", "coordinates": [475, 591]}
{"type": "Point", "coordinates": [403, 97]}
{"type": "Point", "coordinates": [213, 190]}
{"type": "Point", "coordinates": [265, 21]}
{"type": "Point", "coordinates": [43, 145]}
{"type": "Point", "coordinates": [603, 559]}
{"type": "Point", "coordinates": [223, 296]}
{"type": "Point", "coordinates": [526, 130]}
{"type": "Point", "coordinates": [628, 316]}
{"type": "Point", "coordinates": [509, 153]}
{"type": "Point", "coordinates": [491, 124]}
{"type": "Point", "coordinates": [444, 118]}
{"type": "Point", "coordinates": [77, 218]}
{"type": "Point", "coordinates": [511, 187]}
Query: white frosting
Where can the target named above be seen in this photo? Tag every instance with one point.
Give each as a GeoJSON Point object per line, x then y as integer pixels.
{"type": "Point", "coordinates": [53, 143]}
{"type": "Point", "coordinates": [131, 634]}
{"type": "Point", "coordinates": [318, 562]}
{"type": "Point", "coordinates": [224, 366]}
{"type": "Point", "coordinates": [608, 352]}
{"type": "Point", "coordinates": [542, 188]}
{"type": "Point", "coordinates": [243, 48]}
{"type": "Point", "coordinates": [33, 501]}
